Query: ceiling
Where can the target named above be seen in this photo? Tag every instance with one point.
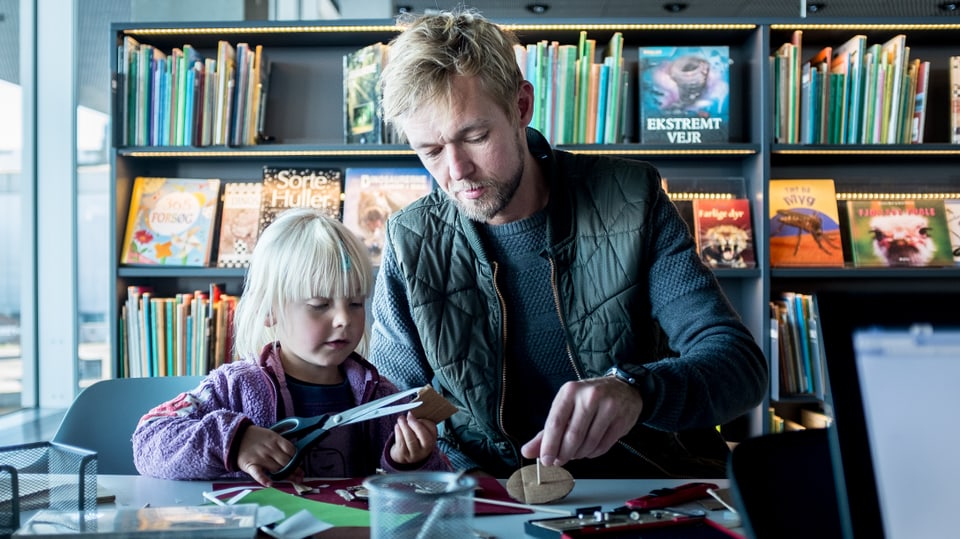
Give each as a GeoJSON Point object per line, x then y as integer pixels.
{"type": "Point", "coordinates": [95, 17]}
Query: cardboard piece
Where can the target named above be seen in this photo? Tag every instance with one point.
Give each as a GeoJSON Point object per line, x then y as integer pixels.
{"type": "Point", "coordinates": [434, 407]}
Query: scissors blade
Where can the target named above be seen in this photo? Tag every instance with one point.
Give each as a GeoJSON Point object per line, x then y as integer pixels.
{"type": "Point", "coordinates": [374, 409]}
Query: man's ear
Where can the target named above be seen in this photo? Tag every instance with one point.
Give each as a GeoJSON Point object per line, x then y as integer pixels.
{"type": "Point", "coordinates": [525, 103]}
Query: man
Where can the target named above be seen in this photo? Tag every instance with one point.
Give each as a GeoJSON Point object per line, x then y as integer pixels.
{"type": "Point", "coordinates": [516, 287]}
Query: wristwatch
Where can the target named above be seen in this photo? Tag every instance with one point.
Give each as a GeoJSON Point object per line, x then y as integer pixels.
{"type": "Point", "coordinates": [641, 379]}
{"type": "Point", "coordinates": [618, 372]}
{"type": "Point", "coordinates": [636, 376]}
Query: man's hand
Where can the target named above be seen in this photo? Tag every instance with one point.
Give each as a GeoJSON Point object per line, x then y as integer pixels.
{"type": "Point", "coordinates": [414, 439]}
{"type": "Point", "coordinates": [263, 451]}
{"type": "Point", "coordinates": [585, 420]}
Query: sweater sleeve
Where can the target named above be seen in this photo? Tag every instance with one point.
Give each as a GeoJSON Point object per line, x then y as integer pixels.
{"type": "Point", "coordinates": [720, 372]}
{"type": "Point", "coordinates": [191, 436]}
{"type": "Point", "coordinates": [395, 346]}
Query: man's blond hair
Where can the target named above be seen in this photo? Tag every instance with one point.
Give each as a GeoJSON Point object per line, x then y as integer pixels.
{"type": "Point", "coordinates": [433, 49]}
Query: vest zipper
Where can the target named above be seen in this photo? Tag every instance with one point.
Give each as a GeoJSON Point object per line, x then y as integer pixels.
{"type": "Point", "coordinates": [503, 365]}
{"type": "Point", "coordinates": [576, 368]}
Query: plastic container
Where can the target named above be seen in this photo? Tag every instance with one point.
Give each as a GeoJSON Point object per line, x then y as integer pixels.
{"type": "Point", "coordinates": [418, 505]}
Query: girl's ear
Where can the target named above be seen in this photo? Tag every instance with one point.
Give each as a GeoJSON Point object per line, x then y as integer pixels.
{"type": "Point", "coordinates": [269, 321]}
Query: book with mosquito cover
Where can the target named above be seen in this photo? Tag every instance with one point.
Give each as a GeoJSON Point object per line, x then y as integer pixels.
{"type": "Point", "coordinates": [804, 223]}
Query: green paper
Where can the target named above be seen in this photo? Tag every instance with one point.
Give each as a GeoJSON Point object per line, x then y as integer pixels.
{"type": "Point", "coordinates": [336, 515]}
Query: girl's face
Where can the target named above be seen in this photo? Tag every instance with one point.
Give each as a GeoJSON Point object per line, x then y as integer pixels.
{"type": "Point", "coordinates": [317, 336]}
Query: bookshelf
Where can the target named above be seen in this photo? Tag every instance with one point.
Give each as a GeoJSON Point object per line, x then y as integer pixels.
{"type": "Point", "coordinates": [304, 115]}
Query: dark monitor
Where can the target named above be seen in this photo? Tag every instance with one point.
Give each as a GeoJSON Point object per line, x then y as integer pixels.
{"type": "Point", "coordinates": [893, 368]}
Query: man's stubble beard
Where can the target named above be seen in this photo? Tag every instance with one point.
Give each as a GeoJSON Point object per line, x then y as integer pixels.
{"type": "Point", "coordinates": [497, 197]}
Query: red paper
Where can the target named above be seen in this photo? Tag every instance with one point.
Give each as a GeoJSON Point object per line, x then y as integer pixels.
{"type": "Point", "coordinates": [325, 490]}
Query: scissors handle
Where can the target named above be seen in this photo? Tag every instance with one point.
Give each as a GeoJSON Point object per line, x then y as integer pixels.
{"type": "Point", "coordinates": [302, 444]}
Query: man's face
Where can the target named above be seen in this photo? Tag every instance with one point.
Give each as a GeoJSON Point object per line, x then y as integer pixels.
{"type": "Point", "coordinates": [473, 150]}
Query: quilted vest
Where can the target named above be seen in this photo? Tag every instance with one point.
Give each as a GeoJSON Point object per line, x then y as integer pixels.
{"type": "Point", "coordinates": [596, 213]}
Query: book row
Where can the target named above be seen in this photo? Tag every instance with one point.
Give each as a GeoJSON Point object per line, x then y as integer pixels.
{"type": "Point", "coordinates": [584, 95]}
{"type": "Point", "coordinates": [796, 363]}
{"type": "Point", "coordinates": [199, 222]}
{"type": "Point", "coordinates": [811, 226]}
{"type": "Point", "coordinates": [186, 335]}
{"type": "Point", "coordinates": [180, 98]}
{"type": "Point", "coordinates": [854, 93]}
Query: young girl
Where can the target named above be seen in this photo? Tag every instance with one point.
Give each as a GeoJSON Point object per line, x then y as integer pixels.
{"type": "Point", "coordinates": [298, 323]}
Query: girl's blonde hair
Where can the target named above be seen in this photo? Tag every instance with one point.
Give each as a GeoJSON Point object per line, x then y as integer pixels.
{"type": "Point", "coordinates": [433, 49]}
{"type": "Point", "coordinates": [303, 254]}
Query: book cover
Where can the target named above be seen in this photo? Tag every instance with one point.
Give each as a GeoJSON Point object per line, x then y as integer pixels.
{"type": "Point", "coordinates": [361, 73]}
{"type": "Point", "coordinates": [684, 93]}
{"type": "Point", "coordinates": [952, 206]}
{"type": "Point", "coordinates": [233, 521]}
{"type": "Point", "coordinates": [285, 188]}
{"type": "Point", "coordinates": [899, 233]}
{"type": "Point", "coordinates": [724, 233]}
{"type": "Point", "coordinates": [370, 195]}
{"type": "Point", "coordinates": [171, 221]}
{"type": "Point", "coordinates": [239, 223]}
{"type": "Point", "coordinates": [804, 223]}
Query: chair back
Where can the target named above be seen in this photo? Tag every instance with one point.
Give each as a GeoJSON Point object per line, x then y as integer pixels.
{"type": "Point", "coordinates": [783, 486]}
{"type": "Point", "coordinates": [104, 415]}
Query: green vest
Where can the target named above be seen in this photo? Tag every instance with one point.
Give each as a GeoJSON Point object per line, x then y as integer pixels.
{"type": "Point", "coordinates": [599, 280]}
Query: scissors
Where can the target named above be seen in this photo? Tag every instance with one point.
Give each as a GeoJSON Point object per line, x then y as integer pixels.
{"type": "Point", "coordinates": [308, 430]}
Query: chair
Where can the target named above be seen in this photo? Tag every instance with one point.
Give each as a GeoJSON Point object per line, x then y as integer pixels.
{"type": "Point", "coordinates": [103, 417]}
{"type": "Point", "coordinates": [783, 486]}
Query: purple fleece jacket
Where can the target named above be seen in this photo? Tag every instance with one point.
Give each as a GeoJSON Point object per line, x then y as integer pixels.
{"type": "Point", "coordinates": [197, 434]}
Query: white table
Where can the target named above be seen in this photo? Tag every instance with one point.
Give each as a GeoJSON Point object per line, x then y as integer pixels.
{"type": "Point", "coordinates": [608, 493]}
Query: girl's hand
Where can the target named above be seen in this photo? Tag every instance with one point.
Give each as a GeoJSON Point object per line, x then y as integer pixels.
{"type": "Point", "coordinates": [263, 451]}
{"type": "Point", "coordinates": [414, 439]}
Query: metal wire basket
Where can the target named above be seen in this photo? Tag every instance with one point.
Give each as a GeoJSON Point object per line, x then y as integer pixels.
{"type": "Point", "coordinates": [45, 475]}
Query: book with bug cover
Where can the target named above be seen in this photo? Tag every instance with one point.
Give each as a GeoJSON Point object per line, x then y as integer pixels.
{"type": "Point", "coordinates": [723, 232]}
{"type": "Point", "coordinates": [899, 233]}
{"type": "Point", "coordinates": [804, 223]}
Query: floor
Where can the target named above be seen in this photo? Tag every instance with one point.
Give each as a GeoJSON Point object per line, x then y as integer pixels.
{"type": "Point", "coordinates": [28, 426]}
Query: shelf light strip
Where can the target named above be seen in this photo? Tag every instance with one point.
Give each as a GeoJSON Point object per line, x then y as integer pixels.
{"type": "Point", "coordinates": [317, 28]}
{"type": "Point", "coordinates": [864, 151]}
{"type": "Point", "coordinates": [903, 27]}
{"type": "Point", "coordinates": [328, 29]}
{"type": "Point", "coordinates": [670, 151]}
{"type": "Point", "coordinates": [708, 196]}
{"type": "Point", "coordinates": [272, 153]}
{"type": "Point", "coordinates": [896, 196]}
{"type": "Point", "coordinates": [628, 27]}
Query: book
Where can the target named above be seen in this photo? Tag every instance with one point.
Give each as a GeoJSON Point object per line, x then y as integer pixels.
{"type": "Point", "coordinates": [952, 207]}
{"type": "Point", "coordinates": [724, 233]}
{"type": "Point", "coordinates": [222, 521]}
{"type": "Point", "coordinates": [955, 100]}
{"type": "Point", "coordinates": [171, 221]}
{"type": "Point", "coordinates": [804, 223]}
{"type": "Point", "coordinates": [371, 195]}
{"type": "Point", "coordinates": [920, 103]}
{"type": "Point", "coordinates": [361, 74]}
{"type": "Point", "coordinates": [684, 93]}
{"type": "Point", "coordinates": [899, 233]}
{"type": "Point", "coordinates": [285, 188]}
{"type": "Point", "coordinates": [239, 223]}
